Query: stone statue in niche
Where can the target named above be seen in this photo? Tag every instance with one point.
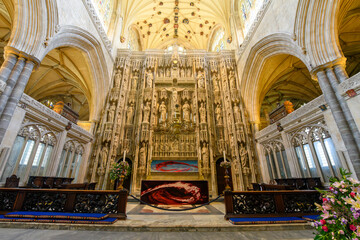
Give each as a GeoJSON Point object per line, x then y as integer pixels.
{"type": "Point", "coordinates": [135, 80]}
{"type": "Point", "coordinates": [182, 72]}
{"type": "Point", "coordinates": [168, 72]}
{"type": "Point", "coordinates": [104, 155]}
{"type": "Point", "coordinates": [129, 113]}
{"type": "Point", "coordinates": [149, 79]}
{"type": "Point", "coordinates": [237, 114]}
{"type": "Point", "coordinates": [115, 144]}
{"type": "Point", "coordinates": [215, 82]}
{"type": "Point", "coordinates": [186, 112]}
{"type": "Point", "coordinates": [242, 133]}
{"type": "Point", "coordinates": [175, 96]}
{"type": "Point", "coordinates": [202, 111]}
{"type": "Point", "coordinates": [117, 78]}
{"type": "Point", "coordinates": [161, 72]}
{"type": "Point", "coordinates": [243, 156]}
{"type": "Point", "coordinates": [126, 75]}
{"type": "Point", "coordinates": [162, 111]}
{"type": "Point", "coordinates": [189, 72]}
{"type": "Point", "coordinates": [142, 155]}
{"type": "Point", "coordinates": [218, 113]}
{"type": "Point", "coordinates": [229, 120]}
{"type": "Point", "coordinates": [223, 73]}
{"type": "Point", "coordinates": [146, 112]}
{"type": "Point", "coordinates": [232, 80]}
{"type": "Point", "coordinates": [174, 71]}
{"type": "Point", "coordinates": [205, 155]}
{"type": "Point", "coordinates": [163, 94]}
{"type": "Point", "coordinates": [200, 79]}
{"type": "Point", "coordinates": [111, 113]}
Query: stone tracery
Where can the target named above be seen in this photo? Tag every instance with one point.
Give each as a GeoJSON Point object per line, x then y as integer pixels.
{"type": "Point", "coordinates": [178, 114]}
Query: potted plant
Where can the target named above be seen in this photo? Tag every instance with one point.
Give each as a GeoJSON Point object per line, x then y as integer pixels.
{"type": "Point", "coordinates": [120, 171]}
{"type": "Point", "coordinates": [340, 217]}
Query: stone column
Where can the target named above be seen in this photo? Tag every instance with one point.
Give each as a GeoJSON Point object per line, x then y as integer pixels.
{"type": "Point", "coordinates": [7, 67]}
{"type": "Point", "coordinates": [340, 118]}
{"type": "Point", "coordinates": [15, 95]}
{"type": "Point", "coordinates": [11, 81]}
{"type": "Point", "coordinates": [291, 156]}
{"type": "Point", "coordinates": [336, 76]}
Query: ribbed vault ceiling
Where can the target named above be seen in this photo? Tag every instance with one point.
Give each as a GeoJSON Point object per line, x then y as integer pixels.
{"type": "Point", "coordinates": [63, 76]}
{"type": "Point", "coordinates": [157, 25]}
{"type": "Point", "coordinates": [285, 77]}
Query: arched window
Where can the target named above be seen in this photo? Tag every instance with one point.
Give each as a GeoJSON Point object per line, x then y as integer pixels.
{"type": "Point", "coordinates": [247, 11]}
{"type": "Point", "coordinates": [134, 40]}
{"type": "Point", "coordinates": [218, 41]}
{"type": "Point", "coordinates": [70, 160]}
{"type": "Point", "coordinates": [276, 159]}
{"type": "Point", "coordinates": [31, 153]}
{"type": "Point", "coordinates": [316, 152]}
{"type": "Point", "coordinates": [105, 9]}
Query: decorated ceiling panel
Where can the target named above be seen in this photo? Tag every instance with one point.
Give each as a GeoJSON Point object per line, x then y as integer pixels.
{"type": "Point", "coordinates": [161, 23]}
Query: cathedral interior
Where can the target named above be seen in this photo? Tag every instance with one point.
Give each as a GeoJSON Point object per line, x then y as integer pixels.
{"type": "Point", "coordinates": [177, 89]}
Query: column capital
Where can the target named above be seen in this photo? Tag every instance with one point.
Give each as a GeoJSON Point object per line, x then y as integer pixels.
{"type": "Point", "coordinates": [337, 62]}
{"type": "Point", "coordinates": [13, 51]}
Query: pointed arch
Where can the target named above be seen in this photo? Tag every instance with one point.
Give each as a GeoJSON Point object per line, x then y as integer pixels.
{"type": "Point", "coordinates": [70, 36]}
{"type": "Point", "coordinates": [316, 30]}
{"type": "Point", "coordinates": [270, 46]}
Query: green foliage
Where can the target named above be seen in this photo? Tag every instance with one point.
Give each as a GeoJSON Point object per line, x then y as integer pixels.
{"type": "Point", "coordinates": [118, 169]}
{"type": "Point", "coordinates": [340, 216]}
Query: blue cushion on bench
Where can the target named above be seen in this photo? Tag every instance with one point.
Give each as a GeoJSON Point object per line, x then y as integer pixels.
{"type": "Point", "coordinates": [266, 220]}
{"type": "Point", "coordinates": [57, 215]}
{"type": "Point", "coordinates": [55, 220]}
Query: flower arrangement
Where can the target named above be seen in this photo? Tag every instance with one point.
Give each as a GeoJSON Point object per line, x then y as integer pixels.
{"type": "Point", "coordinates": [340, 218]}
{"type": "Point", "coordinates": [120, 169]}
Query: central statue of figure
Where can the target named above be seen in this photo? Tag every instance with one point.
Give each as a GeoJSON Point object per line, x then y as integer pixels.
{"type": "Point", "coordinates": [162, 110]}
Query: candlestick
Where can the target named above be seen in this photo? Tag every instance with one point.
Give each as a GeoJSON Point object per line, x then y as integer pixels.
{"type": "Point", "coordinates": [124, 156]}
{"type": "Point", "coordinates": [224, 156]}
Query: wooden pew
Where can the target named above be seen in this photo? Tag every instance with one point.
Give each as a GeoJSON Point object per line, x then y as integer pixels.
{"type": "Point", "coordinates": [286, 203]}
{"type": "Point", "coordinates": [64, 200]}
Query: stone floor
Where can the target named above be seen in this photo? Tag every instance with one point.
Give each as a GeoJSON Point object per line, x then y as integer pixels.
{"type": "Point", "coordinates": [36, 234]}
{"type": "Point", "coordinates": [158, 225]}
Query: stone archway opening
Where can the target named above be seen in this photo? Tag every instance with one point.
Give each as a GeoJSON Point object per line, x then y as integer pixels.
{"type": "Point", "coordinates": [65, 76]}
{"type": "Point", "coordinates": [284, 79]}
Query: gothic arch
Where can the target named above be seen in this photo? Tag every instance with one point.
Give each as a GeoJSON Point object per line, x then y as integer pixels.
{"type": "Point", "coordinates": [316, 30]}
{"type": "Point", "coordinates": [29, 34]}
{"type": "Point", "coordinates": [136, 30]}
{"type": "Point", "coordinates": [70, 36]}
{"type": "Point", "coordinates": [218, 27]}
{"type": "Point", "coordinates": [270, 46]}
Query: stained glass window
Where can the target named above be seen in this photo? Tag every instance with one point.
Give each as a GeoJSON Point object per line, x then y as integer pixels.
{"type": "Point", "coordinates": [218, 41]}
{"type": "Point", "coordinates": [134, 42]}
{"type": "Point", "coordinates": [104, 9]}
{"type": "Point", "coordinates": [247, 10]}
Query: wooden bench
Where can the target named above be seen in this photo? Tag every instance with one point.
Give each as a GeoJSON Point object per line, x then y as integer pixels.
{"type": "Point", "coordinates": [47, 182]}
{"type": "Point", "coordinates": [301, 183]}
{"type": "Point", "coordinates": [287, 203]}
{"type": "Point", "coordinates": [64, 200]}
